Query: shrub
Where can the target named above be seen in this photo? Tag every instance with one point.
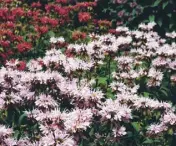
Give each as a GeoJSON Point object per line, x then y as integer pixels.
{"type": "Point", "coordinates": [133, 12]}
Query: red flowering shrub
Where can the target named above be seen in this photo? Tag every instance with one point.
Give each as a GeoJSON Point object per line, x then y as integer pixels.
{"type": "Point", "coordinates": [29, 25]}
{"type": "Point", "coordinates": [84, 16]}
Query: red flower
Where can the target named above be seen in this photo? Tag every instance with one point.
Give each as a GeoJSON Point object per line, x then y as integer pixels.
{"type": "Point", "coordinates": [4, 13]}
{"type": "Point", "coordinates": [42, 29]}
{"type": "Point", "coordinates": [10, 24]}
{"type": "Point", "coordinates": [16, 38]}
{"type": "Point", "coordinates": [53, 22]}
{"type": "Point", "coordinates": [84, 16]}
{"type": "Point", "coordinates": [25, 46]}
{"type": "Point", "coordinates": [62, 11]}
{"type": "Point", "coordinates": [69, 53]}
{"type": "Point", "coordinates": [84, 5]}
{"type": "Point", "coordinates": [21, 65]}
{"type": "Point", "coordinates": [10, 52]}
{"type": "Point", "coordinates": [5, 43]}
{"type": "Point", "coordinates": [62, 1]}
{"type": "Point", "coordinates": [121, 13]}
{"type": "Point", "coordinates": [76, 35]}
{"type": "Point", "coordinates": [49, 7]}
{"type": "Point", "coordinates": [41, 62]}
{"type": "Point", "coordinates": [7, 1]}
{"type": "Point", "coordinates": [3, 55]}
{"type": "Point", "coordinates": [44, 20]}
{"type": "Point", "coordinates": [36, 5]}
{"type": "Point", "coordinates": [18, 12]}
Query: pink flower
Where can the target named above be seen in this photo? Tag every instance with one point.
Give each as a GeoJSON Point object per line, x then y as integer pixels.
{"type": "Point", "coordinates": [84, 16]}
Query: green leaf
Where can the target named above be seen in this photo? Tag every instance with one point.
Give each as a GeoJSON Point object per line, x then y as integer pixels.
{"type": "Point", "coordinates": [102, 80]}
{"type": "Point", "coordinates": [170, 26]}
{"type": "Point", "coordinates": [34, 127]}
{"type": "Point", "coordinates": [148, 141]}
{"type": "Point", "coordinates": [91, 133]}
{"type": "Point", "coordinates": [17, 134]}
{"type": "Point", "coordinates": [1, 50]}
{"type": "Point", "coordinates": [101, 142]}
{"type": "Point", "coordinates": [51, 34]}
{"type": "Point", "coordinates": [156, 3]}
{"type": "Point", "coordinates": [22, 117]}
{"type": "Point", "coordinates": [110, 95]}
{"type": "Point", "coordinates": [136, 126]}
{"type": "Point", "coordinates": [159, 22]}
{"type": "Point", "coordinates": [165, 4]}
{"type": "Point", "coordinates": [169, 15]}
{"type": "Point", "coordinates": [170, 132]}
{"type": "Point", "coordinates": [151, 18]}
{"type": "Point", "coordinates": [146, 94]}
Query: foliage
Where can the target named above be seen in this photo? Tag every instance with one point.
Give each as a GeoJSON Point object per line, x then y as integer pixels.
{"type": "Point", "coordinates": [133, 12]}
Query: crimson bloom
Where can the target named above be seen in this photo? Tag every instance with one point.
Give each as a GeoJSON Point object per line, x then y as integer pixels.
{"type": "Point", "coordinates": [25, 46]}
{"type": "Point", "coordinates": [84, 16]}
{"type": "Point", "coordinates": [21, 65]}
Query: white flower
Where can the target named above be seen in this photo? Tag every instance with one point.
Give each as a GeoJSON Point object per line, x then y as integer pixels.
{"type": "Point", "coordinates": [118, 132]}
{"type": "Point", "coordinates": [78, 120]}
{"type": "Point", "coordinates": [171, 35]}
{"type": "Point", "coordinates": [55, 40]}
{"type": "Point", "coordinates": [156, 129]}
{"type": "Point", "coordinates": [4, 132]}
{"type": "Point", "coordinates": [45, 101]}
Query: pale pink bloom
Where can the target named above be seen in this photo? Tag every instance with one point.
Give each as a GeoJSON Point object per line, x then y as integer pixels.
{"type": "Point", "coordinates": [11, 142]}
{"type": "Point", "coordinates": [34, 65]}
{"type": "Point", "coordinates": [173, 78]}
{"type": "Point", "coordinates": [113, 110]}
{"type": "Point", "coordinates": [171, 35]}
{"type": "Point", "coordinates": [120, 131]}
{"type": "Point", "coordinates": [45, 101]}
{"type": "Point", "coordinates": [148, 26]}
{"type": "Point", "coordinates": [156, 129]}
{"type": "Point", "coordinates": [172, 65]}
{"type": "Point", "coordinates": [4, 132]}
{"type": "Point", "coordinates": [169, 118]}
{"type": "Point", "coordinates": [78, 120]}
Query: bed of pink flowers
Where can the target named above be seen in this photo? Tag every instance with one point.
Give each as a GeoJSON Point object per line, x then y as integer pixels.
{"type": "Point", "coordinates": [107, 92]}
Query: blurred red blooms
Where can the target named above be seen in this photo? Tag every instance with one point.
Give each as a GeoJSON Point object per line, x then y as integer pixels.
{"type": "Point", "coordinates": [21, 65]}
{"type": "Point", "coordinates": [77, 35]}
{"type": "Point", "coordinates": [36, 4]}
{"type": "Point", "coordinates": [25, 46]}
{"type": "Point", "coordinates": [62, 1]}
{"type": "Point", "coordinates": [84, 16]}
{"type": "Point", "coordinates": [5, 44]}
{"type": "Point", "coordinates": [41, 29]}
{"type": "Point", "coordinates": [18, 12]}
{"type": "Point", "coordinates": [22, 22]}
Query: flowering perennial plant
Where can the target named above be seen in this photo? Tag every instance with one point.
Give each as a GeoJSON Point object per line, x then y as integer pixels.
{"type": "Point", "coordinates": [26, 27]}
{"type": "Point", "coordinates": [99, 93]}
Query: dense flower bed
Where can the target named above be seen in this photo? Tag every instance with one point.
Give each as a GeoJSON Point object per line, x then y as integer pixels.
{"type": "Point", "coordinates": [25, 28]}
{"type": "Point", "coordinates": [111, 91]}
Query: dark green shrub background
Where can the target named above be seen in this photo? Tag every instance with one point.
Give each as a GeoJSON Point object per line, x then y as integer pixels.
{"type": "Point", "coordinates": [163, 12]}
